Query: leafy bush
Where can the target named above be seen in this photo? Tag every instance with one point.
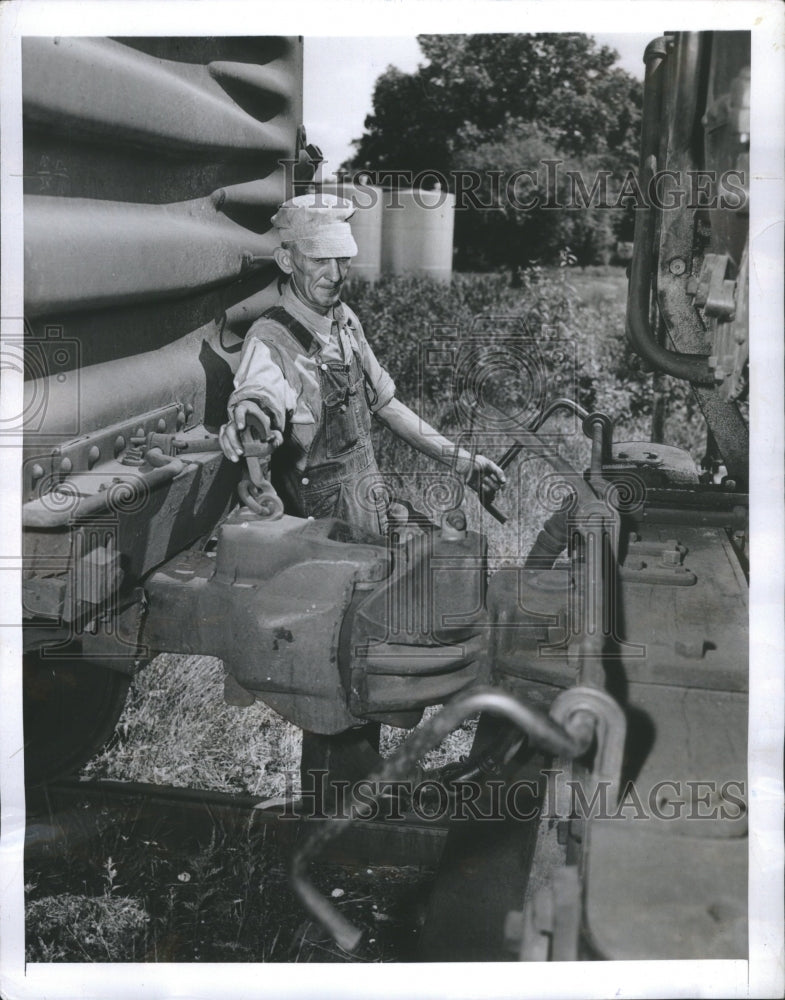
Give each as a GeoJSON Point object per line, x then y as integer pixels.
{"type": "Point", "coordinates": [584, 308]}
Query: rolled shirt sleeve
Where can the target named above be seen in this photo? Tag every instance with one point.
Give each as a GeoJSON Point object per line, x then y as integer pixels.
{"type": "Point", "coordinates": [260, 378]}
{"type": "Point", "coordinates": [380, 382]}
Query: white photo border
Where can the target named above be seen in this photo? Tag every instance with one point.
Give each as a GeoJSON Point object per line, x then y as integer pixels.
{"type": "Point", "coordinates": [762, 975]}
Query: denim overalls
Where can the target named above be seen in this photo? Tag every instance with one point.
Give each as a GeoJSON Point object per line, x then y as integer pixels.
{"type": "Point", "coordinates": [340, 477]}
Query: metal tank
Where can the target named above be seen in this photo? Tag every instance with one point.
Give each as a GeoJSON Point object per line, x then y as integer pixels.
{"type": "Point", "coordinates": [417, 233]}
{"type": "Point", "coordinates": [366, 226]}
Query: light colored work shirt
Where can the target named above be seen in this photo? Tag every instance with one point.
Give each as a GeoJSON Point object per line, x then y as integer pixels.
{"type": "Point", "coordinates": [284, 380]}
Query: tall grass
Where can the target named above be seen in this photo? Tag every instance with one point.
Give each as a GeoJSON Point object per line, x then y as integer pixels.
{"type": "Point", "coordinates": [176, 729]}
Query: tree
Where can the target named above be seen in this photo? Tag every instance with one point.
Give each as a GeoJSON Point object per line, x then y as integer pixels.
{"type": "Point", "coordinates": [534, 216]}
{"type": "Point", "coordinates": [504, 102]}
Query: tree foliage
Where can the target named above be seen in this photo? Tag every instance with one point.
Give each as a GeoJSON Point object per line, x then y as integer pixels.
{"type": "Point", "coordinates": [505, 102]}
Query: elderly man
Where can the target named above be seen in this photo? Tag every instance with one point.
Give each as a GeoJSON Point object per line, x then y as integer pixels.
{"type": "Point", "coordinates": [308, 373]}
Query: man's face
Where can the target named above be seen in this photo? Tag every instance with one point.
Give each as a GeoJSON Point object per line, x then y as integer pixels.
{"type": "Point", "coordinates": [318, 280]}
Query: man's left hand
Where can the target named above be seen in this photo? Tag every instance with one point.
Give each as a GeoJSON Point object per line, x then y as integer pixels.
{"type": "Point", "coordinates": [485, 475]}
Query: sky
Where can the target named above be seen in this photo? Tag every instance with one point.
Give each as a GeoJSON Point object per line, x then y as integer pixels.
{"type": "Point", "coordinates": [340, 74]}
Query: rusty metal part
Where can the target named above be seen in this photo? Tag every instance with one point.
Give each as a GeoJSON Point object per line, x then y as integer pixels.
{"type": "Point", "coordinates": [599, 428]}
{"type": "Point", "coordinates": [541, 731]}
{"type": "Point", "coordinates": [585, 709]}
{"type": "Point", "coordinates": [262, 500]}
{"type": "Point", "coordinates": [515, 449]}
{"type": "Point", "coordinates": [63, 505]}
{"type": "Point", "coordinates": [195, 815]}
{"type": "Point", "coordinates": [259, 441]}
{"type": "Point", "coordinates": [693, 367]}
{"type": "Point", "coordinates": [698, 228]}
{"type": "Point", "coordinates": [143, 512]}
{"type": "Point", "coordinates": [269, 601]}
{"type": "Point", "coordinates": [549, 925]}
{"type": "Point", "coordinates": [548, 929]}
{"type": "Point", "coordinates": [93, 451]}
{"type": "Point", "coordinates": [558, 404]}
{"type": "Point", "coordinates": [658, 465]}
{"type": "Point", "coordinates": [731, 337]}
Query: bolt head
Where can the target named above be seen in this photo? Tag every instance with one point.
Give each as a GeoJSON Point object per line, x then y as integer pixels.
{"type": "Point", "coordinates": [677, 266]}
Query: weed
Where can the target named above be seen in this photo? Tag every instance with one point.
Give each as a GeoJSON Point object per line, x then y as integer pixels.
{"type": "Point", "coordinates": [76, 928]}
{"type": "Point", "coordinates": [224, 899]}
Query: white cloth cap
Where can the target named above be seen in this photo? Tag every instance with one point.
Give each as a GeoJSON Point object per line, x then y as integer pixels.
{"type": "Point", "coordinates": [317, 224]}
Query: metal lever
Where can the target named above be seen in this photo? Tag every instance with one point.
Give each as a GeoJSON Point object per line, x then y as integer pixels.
{"type": "Point", "coordinates": [533, 444]}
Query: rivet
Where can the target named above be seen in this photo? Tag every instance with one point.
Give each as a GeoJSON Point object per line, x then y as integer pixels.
{"type": "Point", "coordinates": [677, 266]}
{"type": "Point", "coordinates": [66, 465]}
{"type": "Point", "coordinates": [189, 409]}
{"type": "Point", "coordinates": [161, 426]}
{"type": "Point", "coordinates": [305, 480]}
{"type": "Point", "coordinates": [93, 455]}
{"type": "Point", "coordinates": [119, 445]}
{"type": "Point", "coordinates": [37, 471]}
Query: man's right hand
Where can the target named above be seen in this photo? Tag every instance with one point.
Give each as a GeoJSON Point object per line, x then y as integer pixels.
{"type": "Point", "coordinates": [229, 434]}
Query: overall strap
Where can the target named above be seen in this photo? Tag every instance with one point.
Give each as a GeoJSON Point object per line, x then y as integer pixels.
{"type": "Point", "coordinates": [303, 336]}
{"type": "Point", "coordinates": [370, 392]}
